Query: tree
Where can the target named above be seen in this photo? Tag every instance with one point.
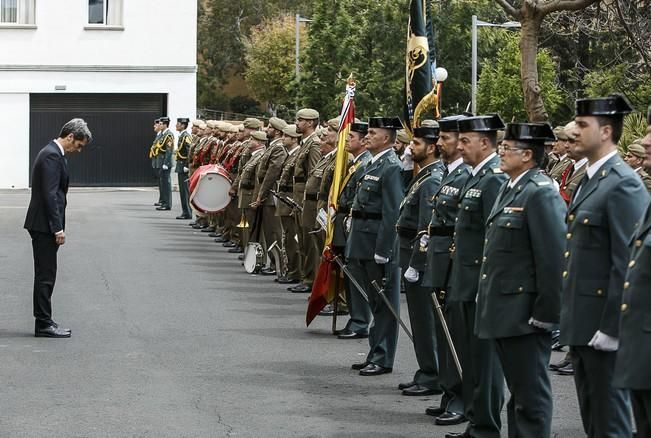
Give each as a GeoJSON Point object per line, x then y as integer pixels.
{"type": "Point", "coordinates": [531, 14]}
{"type": "Point", "coordinates": [270, 60]}
{"type": "Point", "coordinates": [499, 89]}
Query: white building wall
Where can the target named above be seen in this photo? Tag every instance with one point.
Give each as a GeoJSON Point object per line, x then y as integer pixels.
{"type": "Point", "coordinates": [154, 53]}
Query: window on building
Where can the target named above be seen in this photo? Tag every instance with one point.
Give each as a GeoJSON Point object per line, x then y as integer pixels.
{"type": "Point", "coordinates": [17, 12]}
{"type": "Point", "coordinates": [9, 11]}
{"type": "Point", "coordinates": [105, 12]}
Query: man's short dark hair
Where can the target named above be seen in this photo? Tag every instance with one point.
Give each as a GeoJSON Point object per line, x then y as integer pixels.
{"type": "Point", "coordinates": [537, 152]}
{"type": "Point", "coordinates": [78, 128]}
{"type": "Point", "coordinates": [616, 123]}
{"type": "Point", "coordinates": [490, 135]}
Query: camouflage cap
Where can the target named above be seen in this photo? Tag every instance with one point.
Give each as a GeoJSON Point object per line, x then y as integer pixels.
{"type": "Point", "coordinates": [637, 150]}
{"type": "Point", "coordinates": [252, 123]}
{"type": "Point", "coordinates": [259, 135]}
{"type": "Point", "coordinates": [290, 131]}
{"type": "Point", "coordinates": [277, 123]}
{"type": "Point", "coordinates": [403, 137]}
{"type": "Point", "coordinates": [307, 114]}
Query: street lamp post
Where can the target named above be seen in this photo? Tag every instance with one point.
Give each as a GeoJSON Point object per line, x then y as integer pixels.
{"type": "Point", "coordinates": [475, 24]}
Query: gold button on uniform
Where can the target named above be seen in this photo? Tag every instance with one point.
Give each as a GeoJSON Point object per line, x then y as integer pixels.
{"type": "Point", "coordinates": [600, 291]}
{"type": "Point", "coordinates": [508, 224]}
{"type": "Point", "coordinates": [483, 276]}
{"type": "Point", "coordinates": [570, 217]}
{"type": "Point", "coordinates": [484, 259]}
{"type": "Point", "coordinates": [627, 284]}
{"type": "Point", "coordinates": [631, 263]}
{"type": "Point", "coordinates": [567, 254]}
{"type": "Point", "coordinates": [638, 243]}
{"type": "Point", "coordinates": [624, 307]}
{"type": "Point", "coordinates": [520, 289]}
{"type": "Point", "coordinates": [564, 274]}
{"type": "Point", "coordinates": [477, 261]}
{"type": "Point", "coordinates": [568, 236]}
{"type": "Point", "coordinates": [586, 220]}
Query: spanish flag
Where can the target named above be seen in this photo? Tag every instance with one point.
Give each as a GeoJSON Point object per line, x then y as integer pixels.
{"type": "Point", "coordinates": [328, 280]}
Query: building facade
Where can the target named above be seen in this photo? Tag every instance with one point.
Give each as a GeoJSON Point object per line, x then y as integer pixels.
{"type": "Point", "coordinates": [116, 63]}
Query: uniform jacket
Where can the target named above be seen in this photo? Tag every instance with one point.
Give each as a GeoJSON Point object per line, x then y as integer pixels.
{"type": "Point", "coordinates": [182, 150]}
{"type": "Point", "coordinates": [645, 177]}
{"type": "Point", "coordinates": [153, 151]}
{"type": "Point", "coordinates": [245, 156]}
{"type": "Point", "coordinates": [477, 199]}
{"type": "Point", "coordinates": [346, 197]}
{"type": "Point", "coordinates": [269, 167]}
{"type": "Point", "coordinates": [286, 184]}
{"type": "Point", "coordinates": [415, 214]}
{"type": "Point", "coordinates": [633, 366]}
{"type": "Point", "coordinates": [379, 193]}
{"type": "Point", "coordinates": [326, 184]}
{"type": "Point", "coordinates": [601, 219]}
{"type": "Point", "coordinates": [312, 191]}
{"type": "Point", "coordinates": [47, 206]}
{"type": "Point", "coordinates": [568, 187]}
{"type": "Point", "coordinates": [442, 221]}
{"type": "Point", "coordinates": [165, 150]}
{"type": "Point", "coordinates": [521, 268]}
{"type": "Point", "coordinates": [247, 181]}
{"type": "Point", "coordinates": [557, 171]}
{"type": "Point", "coordinates": [308, 155]}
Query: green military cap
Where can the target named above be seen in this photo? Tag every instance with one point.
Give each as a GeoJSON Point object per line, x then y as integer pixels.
{"type": "Point", "coordinates": [569, 129]}
{"type": "Point", "coordinates": [212, 124]}
{"type": "Point", "coordinates": [321, 131]}
{"type": "Point", "coordinates": [429, 123]}
{"type": "Point", "coordinates": [403, 137]}
{"type": "Point", "coordinates": [197, 122]}
{"type": "Point", "coordinates": [221, 125]}
{"type": "Point", "coordinates": [202, 124]}
{"type": "Point", "coordinates": [307, 114]}
{"type": "Point", "coordinates": [259, 135]}
{"type": "Point", "coordinates": [637, 150]}
{"type": "Point", "coordinates": [278, 123]}
{"type": "Point", "coordinates": [560, 133]}
{"type": "Point", "coordinates": [500, 136]}
{"type": "Point", "coordinates": [334, 123]}
{"type": "Point", "coordinates": [252, 123]}
{"type": "Point", "coordinates": [290, 130]}
{"type": "Point", "coordinates": [240, 127]}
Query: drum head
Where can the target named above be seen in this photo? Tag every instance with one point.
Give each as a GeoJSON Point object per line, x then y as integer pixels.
{"type": "Point", "coordinates": [253, 258]}
{"type": "Point", "coordinates": [211, 192]}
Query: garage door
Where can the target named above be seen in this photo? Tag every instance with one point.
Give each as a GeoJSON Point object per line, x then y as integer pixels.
{"type": "Point", "coordinates": [122, 133]}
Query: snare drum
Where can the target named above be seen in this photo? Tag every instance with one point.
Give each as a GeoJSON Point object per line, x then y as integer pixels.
{"type": "Point", "coordinates": [209, 187]}
{"type": "Point", "coordinates": [253, 258]}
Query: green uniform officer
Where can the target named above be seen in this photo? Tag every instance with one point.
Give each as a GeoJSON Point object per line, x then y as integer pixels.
{"type": "Point", "coordinates": [602, 217]}
{"type": "Point", "coordinates": [415, 213]}
{"type": "Point", "coordinates": [483, 381]}
{"type": "Point", "coordinates": [246, 183]}
{"type": "Point", "coordinates": [155, 161]}
{"type": "Point", "coordinates": [518, 302]}
{"type": "Point", "coordinates": [267, 174]}
{"type": "Point", "coordinates": [286, 212]}
{"type": "Point", "coordinates": [307, 121]}
{"type": "Point", "coordinates": [437, 242]}
{"type": "Point", "coordinates": [634, 157]}
{"type": "Point", "coordinates": [182, 153]}
{"type": "Point", "coordinates": [370, 246]}
{"type": "Point", "coordinates": [166, 142]}
{"type": "Point", "coordinates": [360, 318]}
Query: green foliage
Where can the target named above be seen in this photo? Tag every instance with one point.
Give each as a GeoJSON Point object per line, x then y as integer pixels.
{"type": "Point", "coordinates": [634, 128]}
{"type": "Point", "coordinates": [624, 78]}
{"type": "Point", "coordinates": [500, 86]}
{"type": "Point", "coordinates": [244, 105]}
{"type": "Point", "coordinates": [270, 60]}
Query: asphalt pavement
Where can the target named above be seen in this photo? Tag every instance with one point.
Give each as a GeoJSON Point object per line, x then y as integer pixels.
{"type": "Point", "coordinates": [171, 338]}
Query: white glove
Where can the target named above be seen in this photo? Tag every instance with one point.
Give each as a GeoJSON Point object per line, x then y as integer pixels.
{"type": "Point", "coordinates": [424, 241]}
{"type": "Point", "coordinates": [540, 324]}
{"type": "Point", "coordinates": [380, 260]}
{"type": "Point", "coordinates": [407, 159]}
{"type": "Point", "coordinates": [347, 224]}
{"type": "Point", "coordinates": [603, 342]}
{"type": "Point", "coordinates": [165, 167]}
{"type": "Point", "coordinates": [186, 170]}
{"type": "Point", "coordinates": [411, 275]}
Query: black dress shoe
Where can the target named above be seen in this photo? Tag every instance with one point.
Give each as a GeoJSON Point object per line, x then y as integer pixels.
{"type": "Point", "coordinates": [558, 365]}
{"type": "Point", "coordinates": [213, 234]}
{"type": "Point", "coordinates": [268, 271]}
{"type": "Point", "coordinates": [229, 244]}
{"type": "Point", "coordinates": [406, 385]}
{"type": "Point", "coordinates": [287, 280]}
{"type": "Point", "coordinates": [450, 419]}
{"type": "Point", "coordinates": [192, 224]}
{"type": "Point", "coordinates": [374, 370]}
{"type": "Point", "coordinates": [359, 366]}
{"type": "Point", "coordinates": [457, 435]}
{"type": "Point", "coordinates": [349, 334]}
{"type": "Point", "coordinates": [221, 240]}
{"type": "Point", "coordinates": [434, 411]}
{"type": "Point", "coordinates": [52, 332]}
{"type": "Point", "coordinates": [567, 370]}
{"type": "Point", "coordinates": [418, 390]}
{"type": "Point", "coordinates": [199, 226]}
{"type": "Point", "coordinates": [163, 208]}
{"type": "Point", "coordinates": [208, 230]}
{"type": "Point", "coordinates": [184, 217]}
{"type": "Point", "coordinates": [240, 257]}
{"type": "Point", "coordinates": [157, 204]}
{"type": "Point", "coordinates": [236, 250]}
{"type": "Point", "coordinates": [300, 289]}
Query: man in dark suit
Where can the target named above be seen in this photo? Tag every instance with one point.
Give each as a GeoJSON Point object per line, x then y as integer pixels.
{"type": "Point", "coordinates": [46, 219]}
{"type": "Point", "coordinates": [602, 216]}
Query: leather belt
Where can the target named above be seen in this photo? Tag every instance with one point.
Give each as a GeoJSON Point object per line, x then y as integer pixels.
{"type": "Point", "coordinates": [441, 231]}
{"type": "Point", "coordinates": [299, 179]}
{"type": "Point", "coordinates": [311, 196]}
{"type": "Point", "coordinates": [247, 186]}
{"type": "Point", "coordinates": [286, 189]}
{"type": "Point", "coordinates": [357, 214]}
{"type": "Point", "coordinates": [321, 196]}
{"type": "Point", "coordinates": [407, 233]}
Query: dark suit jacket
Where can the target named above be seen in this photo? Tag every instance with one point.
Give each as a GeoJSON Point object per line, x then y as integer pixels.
{"type": "Point", "coordinates": [47, 207]}
{"type": "Point", "coordinates": [522, 264]}
{"type": "Point", "coordinates": [601, 219]}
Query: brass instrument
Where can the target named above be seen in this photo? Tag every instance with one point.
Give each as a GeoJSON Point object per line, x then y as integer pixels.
{"type": "Point", "coordinates": [243, 222]}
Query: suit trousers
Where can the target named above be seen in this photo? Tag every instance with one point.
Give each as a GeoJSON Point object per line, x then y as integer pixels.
{"type": "Point", "coordinates": [290, 247]}
{"type": "Point", "coordinates": [642, 411]}
{"type": "Point", "coordinates": [184, 193]}
{"type": "Point", "coordinates": [604, 409]}
{"type": "Point", "coordinates": [165, 188]}
{"type": "Point", "coordinates": [307, 252]}
{"type": "Point", "coordinates": [45, 250]}
{"type": "Point", "coordinates": [449, 379]}
{"type": "Point", "coordinates": [358, 309]}
{"type": "Point", "coordinates": [250, 217]}
{"type": "Point", "coordinates": [483, 380]}
{"type": "Point", "coordinates": [157, 172]}
{"type": "Point", "coordinates": [524, 360]}
{"type": "Point", "coordinates": [423, 323]}
{"type": "Point", "coordinates": [271, 229]}
{"type": "Point", "coordinates": [383, 333]}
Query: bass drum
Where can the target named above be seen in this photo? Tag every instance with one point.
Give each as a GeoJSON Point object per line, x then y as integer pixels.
{"type": "Point", "coordinates": [209, 186]}
{"type": "Point", "coordinates": [253, 258]}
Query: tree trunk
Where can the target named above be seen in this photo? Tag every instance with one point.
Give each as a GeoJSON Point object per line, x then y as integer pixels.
{"type": "Point", "coordinates": [530, 33]}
